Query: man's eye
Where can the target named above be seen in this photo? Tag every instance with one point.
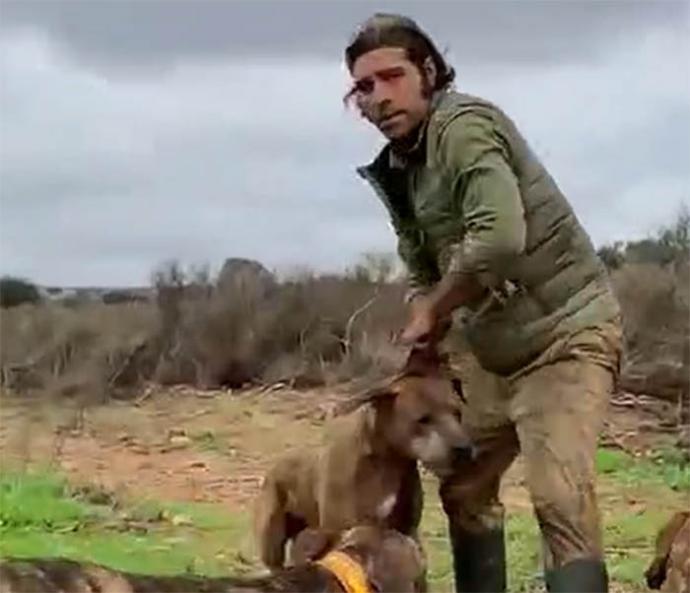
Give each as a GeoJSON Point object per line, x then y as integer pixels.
{"type": "Point", "coordinates": [364, 87]}
{"type": "Point", "coordinates": [391, 74]}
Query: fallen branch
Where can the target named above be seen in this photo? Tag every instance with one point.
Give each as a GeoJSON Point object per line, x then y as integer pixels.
{"type": "Point", "coordinates": [351, 321]}
{"type": "Point", "coordinates": [148, 392]}
{"type": "Point", "coordinates": [609, 439]}
{"type": "Point", "coordinates": [125, 365]}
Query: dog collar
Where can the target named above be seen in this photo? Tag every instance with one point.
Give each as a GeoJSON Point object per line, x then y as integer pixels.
{"type": "Point", "coordinates": [349, 573]}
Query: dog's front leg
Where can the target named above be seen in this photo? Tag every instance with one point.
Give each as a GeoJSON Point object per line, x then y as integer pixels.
{"type": "Point", "coordinates": [270, 525]}
{"type": "Point", "coordinates": [338, 507]}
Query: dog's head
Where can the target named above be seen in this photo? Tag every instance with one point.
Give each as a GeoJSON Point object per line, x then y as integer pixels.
{"type": "Point", "coordinates": [419, 413]}
{"type": "Point", "coordinates": [391, 561]}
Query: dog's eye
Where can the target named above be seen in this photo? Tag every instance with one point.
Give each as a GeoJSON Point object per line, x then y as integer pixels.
{"type": "Point", "coordinates": [425, 420]}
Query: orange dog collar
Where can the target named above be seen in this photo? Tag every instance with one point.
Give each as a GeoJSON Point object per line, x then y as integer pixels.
{"type": "Point", "coordinates": [349, 573]}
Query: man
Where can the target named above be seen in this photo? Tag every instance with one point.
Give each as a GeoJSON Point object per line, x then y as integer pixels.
{"type": "Point", "coordinates": [491, 243]}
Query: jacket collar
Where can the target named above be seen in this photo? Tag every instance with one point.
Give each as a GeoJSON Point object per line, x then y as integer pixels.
{"type": "Point", "coordinates": [388, 158]}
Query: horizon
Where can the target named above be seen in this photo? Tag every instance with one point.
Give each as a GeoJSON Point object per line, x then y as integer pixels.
{"type": "Point", "coordinates": [296, 269]}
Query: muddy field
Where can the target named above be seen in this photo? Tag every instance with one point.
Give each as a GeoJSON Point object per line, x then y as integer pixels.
{"type": "Point", "coordinates": [181, 445]}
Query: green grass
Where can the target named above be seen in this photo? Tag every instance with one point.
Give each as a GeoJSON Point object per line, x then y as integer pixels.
{"type": "Point", "coordinates": [629, 540]}
{"type": "Point", "coordinates": [522, 540]}
{"type": "Point", "coordinates": [630, 532]}
{"type": "Point", "coordinates": [38, 502]}
{"type": "Point", "coordinates": [40, 515]}
{"type": "Point", "coordinates": [664, 468]}
{"type": "Point", "coordinates": [208, 440]}
{"type": "Point", "coordinates": [628, 535]}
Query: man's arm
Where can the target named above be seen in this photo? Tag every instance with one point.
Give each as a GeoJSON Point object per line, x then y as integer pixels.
{"type": "Point", "coordinates": [422, 272]}
{"type": "Point", "coordinates": [486, 191]}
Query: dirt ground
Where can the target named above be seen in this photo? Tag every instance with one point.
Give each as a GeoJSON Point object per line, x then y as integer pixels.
{"type": "Point", "coordinates": [183, 445]}
{"type": "Point", "coordinates": [174, 444]}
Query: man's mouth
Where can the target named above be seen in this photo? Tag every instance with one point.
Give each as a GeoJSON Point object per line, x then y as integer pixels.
{"type": "Point", "coordinates": [391, 118]}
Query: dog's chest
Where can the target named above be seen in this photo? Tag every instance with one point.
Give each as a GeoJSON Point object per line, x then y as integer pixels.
{"type": "Point", "coordinates": [379, 495]}
{"type": "Point", "coordinates": [386, 506]}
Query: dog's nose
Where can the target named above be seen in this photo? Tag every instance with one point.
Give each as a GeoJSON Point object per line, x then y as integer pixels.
{"type": "Point", "coordinates": [465, 453]}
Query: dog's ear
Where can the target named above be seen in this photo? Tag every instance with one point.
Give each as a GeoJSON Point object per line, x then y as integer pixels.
{"type": "Point", "coordinates": [423, 361]}
{"type": "Point", "coordinates": [655, 575]}
{"type": "Point", "coordinates": [656, 572]}
{"type": "Point", "coordinates": [397, 564]}
{"type": "Point", "coordinates": [374, 396]}
{"type": "Point", "coordinates": [311, 544]}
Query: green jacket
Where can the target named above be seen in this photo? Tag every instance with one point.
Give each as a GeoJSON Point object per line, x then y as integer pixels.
{"type": "Point", "coordinates": [471, 197]}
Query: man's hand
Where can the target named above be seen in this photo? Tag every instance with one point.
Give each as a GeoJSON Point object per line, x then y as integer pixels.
{"type": "Point", "coordinates": [421, 322]}
{"type": "Point", "coordinates": [430, 314]}
{"type": "Point", "coordinates": [424, 325]}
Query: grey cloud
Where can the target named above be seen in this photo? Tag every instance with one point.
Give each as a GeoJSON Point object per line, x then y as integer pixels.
{"type": "Point", "coordinates": [104, 179]}
{"type": "Point", "coordinates": [127, 36]}
{"type": "Point", "coordinates": [631, 187]}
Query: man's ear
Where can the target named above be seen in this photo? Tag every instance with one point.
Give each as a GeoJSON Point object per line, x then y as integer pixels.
{"type": "Point", "coordinates": [430, 72]}
{"type": "Point", "coordinates": [311, 544]}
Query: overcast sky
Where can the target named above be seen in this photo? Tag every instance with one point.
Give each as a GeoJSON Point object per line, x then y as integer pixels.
{"type": "Point", "coordinates": [132, 133]}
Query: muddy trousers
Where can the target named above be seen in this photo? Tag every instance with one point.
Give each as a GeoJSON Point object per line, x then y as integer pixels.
{"type": "Point", "coordinates": [552, 414]}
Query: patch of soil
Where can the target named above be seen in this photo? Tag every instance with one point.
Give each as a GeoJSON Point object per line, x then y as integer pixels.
{"type": "Point", "coordinates": [180, 474]}
{"type": "Point", "coordinates": [185, 445]}
{"type": "Point", "coordinates": [176, 445]}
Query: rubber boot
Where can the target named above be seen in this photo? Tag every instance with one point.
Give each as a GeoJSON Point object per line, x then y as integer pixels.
{"type": "Point", "coordinates": [579, 576]}
{"type": "Point", "coordinates": [479, 561]}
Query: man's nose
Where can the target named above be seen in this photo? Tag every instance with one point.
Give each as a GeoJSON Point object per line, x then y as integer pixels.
{"type": "Point", "coordinates": [380, 95]}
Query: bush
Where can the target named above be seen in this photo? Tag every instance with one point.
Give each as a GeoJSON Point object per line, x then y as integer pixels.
{"type": "Point", "coordinates": [669, 246]}
{"type": "Point", "coordinates": [16, 291]}
{"type": "Point", "coordinates": [90, 349]}
{"type": "Point", "coordinates": [224, 332]}
{"type": "Point", "coordinates": [245, 326]}
{"type": "Point", "coordinates": [651, 278]}
{"type": "Point", "coordinates": [305, 330]}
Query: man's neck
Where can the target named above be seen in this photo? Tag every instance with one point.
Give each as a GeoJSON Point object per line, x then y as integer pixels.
{"type": "Point", "coordinates": [403, 147]}
{"type": "Point", "coordinates": [407, 144]}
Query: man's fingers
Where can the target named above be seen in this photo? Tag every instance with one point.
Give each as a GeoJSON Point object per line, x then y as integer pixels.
{"type": "Point", "coordinates": [408, 338]}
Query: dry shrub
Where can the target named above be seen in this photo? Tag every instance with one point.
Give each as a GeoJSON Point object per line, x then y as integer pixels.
{"type": "Point", "coordinates": [656, 315]}
{"type": "Point", "coordinates": [652, 280]}
{"type": "Point", "coordinates": [245, 327]}
{"type": "Point", "coordinates": [69, 350]}
{"type": "Point", "coordinates": [654, 301]}
{"type": "Point", "coordinates": [306, 331]}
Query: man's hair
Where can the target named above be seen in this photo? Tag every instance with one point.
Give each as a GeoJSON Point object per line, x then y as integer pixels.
{"type": "Point", "coordinates": [392, 30]}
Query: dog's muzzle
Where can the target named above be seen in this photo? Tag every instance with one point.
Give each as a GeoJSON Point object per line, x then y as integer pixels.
{"type": "Point", "coordinates": [458, 457]}
{"type": "Point", "coordinates": [464, 454]}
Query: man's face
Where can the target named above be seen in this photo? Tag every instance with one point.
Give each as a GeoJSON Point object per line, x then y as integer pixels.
{"type": "Point", "coordinates": [389, 91]}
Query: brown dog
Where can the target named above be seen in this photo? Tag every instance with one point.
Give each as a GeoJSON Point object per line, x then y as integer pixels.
{"type": "Point", "coordinates": [670, 569]}
{"type": "Point", "coordinates": [366, 470]}
{"type": "Point", "coordinates": [360, 560]}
